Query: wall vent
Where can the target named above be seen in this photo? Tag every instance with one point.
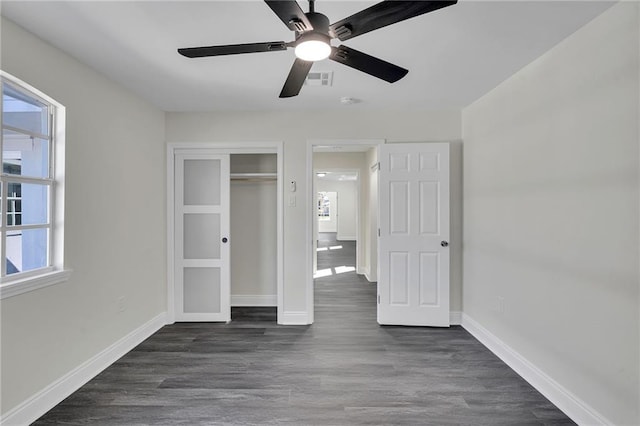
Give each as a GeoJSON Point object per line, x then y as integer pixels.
{"type": "Point", "coordinates": [319, 79]}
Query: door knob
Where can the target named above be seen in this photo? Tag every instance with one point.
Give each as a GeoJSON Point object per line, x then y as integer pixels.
{"type": "Point", "coordinates": [444, 243]}
{"type": "Point", "coordinates": [224, 239]}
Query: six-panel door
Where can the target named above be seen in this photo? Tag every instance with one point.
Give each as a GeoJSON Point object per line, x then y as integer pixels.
{"type": "Point", "coordinates": [413, 280]}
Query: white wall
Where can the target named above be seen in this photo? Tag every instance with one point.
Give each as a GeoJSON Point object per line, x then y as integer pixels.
{"type": "Point", "coordinates": [551, 215]}
{"type": "Point", "coordinates": [254, 237]}
{"type": "Point", "coordinates": [295, 128]}
{"type": "Point", "coordinates": [253, 242]}
{"type": "Point", "coordinates": [114, 223]}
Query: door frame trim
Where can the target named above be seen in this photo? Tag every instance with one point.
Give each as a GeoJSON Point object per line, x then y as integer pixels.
{"type": "Point", "coordinates": [257, 147]}
{"type": "Point", "coordinates": [311, 206]}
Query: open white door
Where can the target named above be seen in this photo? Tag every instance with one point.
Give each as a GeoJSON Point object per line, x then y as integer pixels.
{"type": "Point", "coordinates": [202, 279]}
{"type": "Point", "coordinates": [413, 280]}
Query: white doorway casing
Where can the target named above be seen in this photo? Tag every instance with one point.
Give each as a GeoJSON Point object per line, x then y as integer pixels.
{"type": "Point", "coordinates": [222, 148]}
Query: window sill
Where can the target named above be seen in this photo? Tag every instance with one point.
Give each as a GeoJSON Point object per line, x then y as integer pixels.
{"type": "Point", "coordinates": [14, 288]}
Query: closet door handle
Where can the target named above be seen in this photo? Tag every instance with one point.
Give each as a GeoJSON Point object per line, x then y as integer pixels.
{"type": "Point", "coordinates": [224, 239]}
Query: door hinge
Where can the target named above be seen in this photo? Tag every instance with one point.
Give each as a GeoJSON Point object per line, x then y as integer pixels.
{"type": "Point", "coordinates": [378, 232]}
{"type": "Point", "coordinates": [378, 299]}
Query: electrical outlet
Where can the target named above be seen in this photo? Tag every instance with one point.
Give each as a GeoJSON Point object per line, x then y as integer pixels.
{"type": "Point", "coordinates": [122, 306]}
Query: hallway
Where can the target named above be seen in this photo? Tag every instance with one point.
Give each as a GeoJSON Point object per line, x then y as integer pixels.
{"type": "Point", "coordinates": [343, 297]}
{"type": "Point", "coordinates": [345, 369]}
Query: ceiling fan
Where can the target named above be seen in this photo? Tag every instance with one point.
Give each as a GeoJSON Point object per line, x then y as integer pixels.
{"type": "Point", "coordinates": [313, 35]}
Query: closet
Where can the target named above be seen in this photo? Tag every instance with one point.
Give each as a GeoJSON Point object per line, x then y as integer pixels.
{"type": "Point", "coordinates": [224, 230]}
{"type": "Point", "coordinates": [253, 205]}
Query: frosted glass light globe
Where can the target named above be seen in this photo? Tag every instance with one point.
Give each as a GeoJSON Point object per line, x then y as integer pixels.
{"type": "Point", "coordinates": [313, 50]}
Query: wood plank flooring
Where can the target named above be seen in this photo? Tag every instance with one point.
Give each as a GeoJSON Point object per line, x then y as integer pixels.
{"type": "Point", "coordinates": [343, 370]}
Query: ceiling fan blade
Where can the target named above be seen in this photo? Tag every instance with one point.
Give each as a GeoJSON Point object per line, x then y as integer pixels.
{"type": "Point", "coordinates": [367, 64]}
{"type": "Point", "coordinates": [291, 14]}
{"type": "Point", "coordinates": [296, 78]}
{"type": "Point", "coordinates": [232, 49]}
{"type": "Point", "coordinates": [382, 14]}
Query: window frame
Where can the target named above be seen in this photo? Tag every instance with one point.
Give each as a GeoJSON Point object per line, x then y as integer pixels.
{"type": "Point", "coordinates": [54, 271]}
{"type": "Point", "coordinates": [329, 216]}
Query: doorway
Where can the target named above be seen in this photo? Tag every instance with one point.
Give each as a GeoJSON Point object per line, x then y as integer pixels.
{"type": "Point", "coordinates": [338, 194]}
{"type": "Point", "coordinates": [411, 226]}
{"type": "Point", "coordinates": [350, 161]}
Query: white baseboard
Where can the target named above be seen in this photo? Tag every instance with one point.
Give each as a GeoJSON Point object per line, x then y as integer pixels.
{"type": "Point", "coordinates": [294, 318]}
{"type": "Point", "coordinates": [455, 317]}
{"type": "Point", "coordinates": [367, 275]}
{"type": "Point", "coordinates": [37, 405]}
{"type": "Point", "coordinates": [254, 300]}
{"type": "Point", "coordinates": [579, 411]}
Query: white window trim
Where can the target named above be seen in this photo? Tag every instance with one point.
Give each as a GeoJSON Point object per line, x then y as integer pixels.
{"type": "Point", "coordinates": [55, 273]}
{"type": "Point", "coordinates": [24, 285]}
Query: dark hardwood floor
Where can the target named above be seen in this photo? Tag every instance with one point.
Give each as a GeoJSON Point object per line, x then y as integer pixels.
{"type": "Point", "coordinates": [345, 369]}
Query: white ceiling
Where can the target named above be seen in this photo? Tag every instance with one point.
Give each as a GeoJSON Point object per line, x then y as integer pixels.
{"type": "Point", "coordinates": [454, 55]}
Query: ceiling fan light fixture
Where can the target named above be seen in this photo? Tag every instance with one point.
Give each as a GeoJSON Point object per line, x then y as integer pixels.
{"type": "Point", "coordinates": [313, 47]}
{"type": "Point", "coordinates": [313, 35]}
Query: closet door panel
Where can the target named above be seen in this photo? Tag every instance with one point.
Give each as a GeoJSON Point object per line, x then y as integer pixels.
{"type": "Point", "coordinates": [198, 178]}
{"type": "Point", "coordinates": [202, 255]}
{"type": "Point", "coordinates": [201, 290]}
{"type": "Point", "coordinates": [202, 238]}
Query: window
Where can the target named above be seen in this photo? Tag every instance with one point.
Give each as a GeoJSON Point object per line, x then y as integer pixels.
{"type": "Point", "coordinates": [31, 188]}
{"type": "Point", "coordinates": [324, 206]}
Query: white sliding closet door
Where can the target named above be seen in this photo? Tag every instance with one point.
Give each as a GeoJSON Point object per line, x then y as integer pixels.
{"type": "Point", "coordinates": [202, 266]}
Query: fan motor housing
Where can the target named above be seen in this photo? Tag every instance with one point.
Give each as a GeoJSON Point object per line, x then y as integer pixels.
{"type": "Point", "coordinates": [319, 22]}
{"type": "Point", "coordinates": [319, 32]}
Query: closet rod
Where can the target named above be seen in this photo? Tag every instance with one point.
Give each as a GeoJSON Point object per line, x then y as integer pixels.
{"type": "Point", "coordinates": [254, 176]}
